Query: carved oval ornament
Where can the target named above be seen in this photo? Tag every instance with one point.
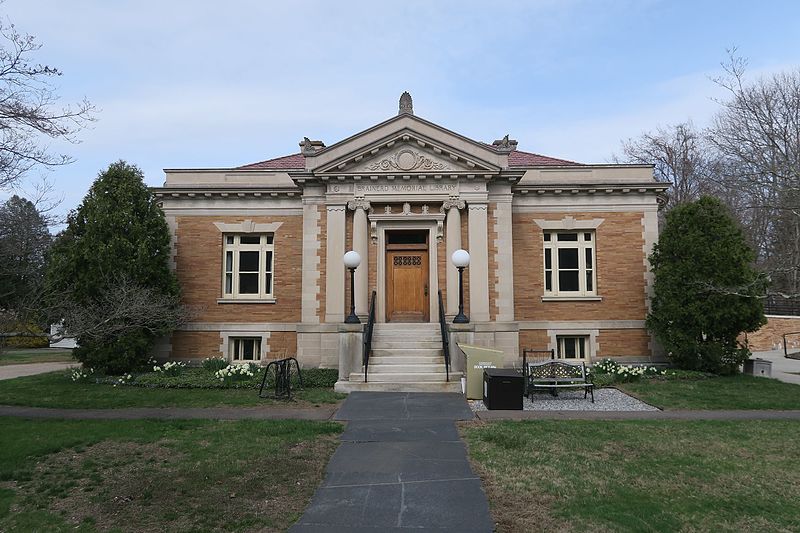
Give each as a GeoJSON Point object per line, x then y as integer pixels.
{"type": "Point", "coordinates": [407, 160]}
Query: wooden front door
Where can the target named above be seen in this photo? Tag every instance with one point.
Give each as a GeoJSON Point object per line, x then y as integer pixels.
{"type": "Point", "coordinates": [407, 298]}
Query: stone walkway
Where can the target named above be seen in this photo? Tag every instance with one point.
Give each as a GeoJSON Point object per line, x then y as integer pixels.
{"type": "Point", "coordinates": [31, 369]}
{"type": "Point", "coordinates": [401, 466]}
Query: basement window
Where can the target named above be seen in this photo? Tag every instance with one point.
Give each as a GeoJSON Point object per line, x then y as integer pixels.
{"type": "Point", "coordinates": [245, 349]}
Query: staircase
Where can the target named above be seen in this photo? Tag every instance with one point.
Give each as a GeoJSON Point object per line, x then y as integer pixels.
{"type": "Point", "coordinates": [405, 358]}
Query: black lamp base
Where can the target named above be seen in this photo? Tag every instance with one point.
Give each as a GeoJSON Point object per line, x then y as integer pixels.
{"type": "Point", "coordinates": [461, 318]}
{"type": "Point", "coordinates": [352, 319]}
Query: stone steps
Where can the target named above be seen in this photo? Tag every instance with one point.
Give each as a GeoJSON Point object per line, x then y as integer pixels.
{"type": "Point", "coordinates": [405, 377]}
{"type": "Point", "coordinates": [372, 386]}
{"type": "Point", "coordinates": [404, 358]}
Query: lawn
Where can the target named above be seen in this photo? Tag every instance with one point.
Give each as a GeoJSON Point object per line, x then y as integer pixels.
{"type": "Point", "coordinates": [639, 475]}
{"type": "Point", "coordinates": [727, 392]}
{"type": "Point", "coordinates": [21, 356]}
{"type": "Point", "coordinates": [55, 389]}
{"type": "Point", "coordinates": [140, 475]}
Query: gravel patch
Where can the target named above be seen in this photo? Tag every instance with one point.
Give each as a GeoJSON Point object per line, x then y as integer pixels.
{"type": "Point", "coordinates": [604, 400]}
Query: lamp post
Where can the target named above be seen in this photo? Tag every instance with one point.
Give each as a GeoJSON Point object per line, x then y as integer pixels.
{"type": "Point", "coordinates": [351, 261]}
{"type": "Point", "coordinates": [460, 259]}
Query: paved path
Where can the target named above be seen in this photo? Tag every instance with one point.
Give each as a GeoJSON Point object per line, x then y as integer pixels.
{"type": "Point", "coordinates": [641, 415]}
{"type": "Point", "coordinates": [172, 413]}
{"type": "Point", "coordinates": [30, 369]}
{"type": "Point", "coordinates": [401, 466]}
{"type": "Point", "coordinates": [783, 368]}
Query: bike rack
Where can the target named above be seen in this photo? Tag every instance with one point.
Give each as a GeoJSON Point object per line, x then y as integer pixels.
{"type": "Point", "coordinates": [282, 370]}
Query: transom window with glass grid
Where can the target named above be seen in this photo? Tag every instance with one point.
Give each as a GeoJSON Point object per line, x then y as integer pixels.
{"type": "Point", "coordinates": [572, 347]}
{"type": "Point", "coordinates": [569, 266]}
{"type": "Point", "coordinates": [248, 266]}
{"type": "Point", "coordinates": [245, 349]}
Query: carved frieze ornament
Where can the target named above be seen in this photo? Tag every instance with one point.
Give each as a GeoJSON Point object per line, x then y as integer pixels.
{"type": "Point", "coordinates": [407, 160]}
{"type": "Point", "coordinates": [406, 104]}
{"type": "Point", "coordinates": [358, 203]}
{"type": "Point", "coordinates": [406, 208]}
{"type": "Point", "coordinates": [452, 202]}
{"type": "Point", "coordinates": [387, 210]}
{"type": "Point", "coordinates": [425, 209]}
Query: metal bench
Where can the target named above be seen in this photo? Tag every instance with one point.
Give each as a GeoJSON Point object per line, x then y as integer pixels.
{"type": "Point", "coordinates": [554, 375]}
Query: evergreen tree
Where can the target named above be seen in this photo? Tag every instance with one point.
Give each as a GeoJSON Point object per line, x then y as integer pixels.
{"type": "Point", "coordinates": [24, 240]}
{"type": "Point", "coordinates": [117, 236]}
{"type": "Point", "coordinates": [706, 292]}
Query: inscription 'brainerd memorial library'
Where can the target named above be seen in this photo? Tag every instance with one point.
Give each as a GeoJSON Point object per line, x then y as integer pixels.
{"type": "Point", "coordinates": [557, 254]}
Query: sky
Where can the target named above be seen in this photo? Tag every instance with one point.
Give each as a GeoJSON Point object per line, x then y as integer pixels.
{"type": "Point", "coordinates": [200, 84]}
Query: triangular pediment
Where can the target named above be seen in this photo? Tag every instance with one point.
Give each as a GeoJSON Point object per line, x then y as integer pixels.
{"type": "Point", "coordinates": [408, 145]}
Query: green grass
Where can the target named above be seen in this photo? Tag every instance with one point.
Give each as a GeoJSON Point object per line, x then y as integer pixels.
{"type": "Point", "coordinates": [140, 475]}
{"type": "Point", "coordinates": [21, 356]}
{"type": "Point", "coordinates": [727, 392]}
{"type": "Point", "coordinates": [639, 475]}
{"type": "Point", "coordinates": [56, 389]}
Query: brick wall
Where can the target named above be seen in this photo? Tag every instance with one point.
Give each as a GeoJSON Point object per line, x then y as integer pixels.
{"type": "Point", "coordinates": [620, 270]}
{"type": "Point", "coordinates": [195, 345]}
{"type": "Point", "coordinates": [623, 343]}
{"type": "Point", "coordinates": [199, 270]}
{"type": "Point", "coordinates": [282, 344]}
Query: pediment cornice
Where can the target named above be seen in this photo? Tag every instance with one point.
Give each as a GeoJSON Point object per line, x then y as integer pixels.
{"type": "Point", "coordinates": [426, 138]}
{"type": "Point", "coordinates": [406, 152]}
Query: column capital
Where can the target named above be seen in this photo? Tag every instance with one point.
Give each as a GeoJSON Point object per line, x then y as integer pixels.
{"type": "Point", "coordinates": [358, 203]}
{"type": "Point", "coordinates": [452, 203]}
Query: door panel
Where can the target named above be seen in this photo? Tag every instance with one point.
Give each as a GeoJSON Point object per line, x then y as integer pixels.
{"type": "Point", "coordinates": [407, 298]}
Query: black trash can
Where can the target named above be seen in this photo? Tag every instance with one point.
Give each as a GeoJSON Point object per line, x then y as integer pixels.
{"type": "Point", "coordinates": [502, 389]}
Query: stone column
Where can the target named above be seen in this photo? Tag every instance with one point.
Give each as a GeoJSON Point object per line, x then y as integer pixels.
{"type": "Point", "coordinates": [478, 263]}
{"type": "Point", "coordinates": [334, 264]}
{"type": "Point", "coordinates": [360, 206]}
{"type": "Point", "coordinates": [451, 208]}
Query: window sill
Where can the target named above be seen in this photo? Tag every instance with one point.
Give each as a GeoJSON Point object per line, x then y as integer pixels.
{"type": "Point", "coordinates": [572, 298]}
{"type": "Point", "coordinates": [246, 301]}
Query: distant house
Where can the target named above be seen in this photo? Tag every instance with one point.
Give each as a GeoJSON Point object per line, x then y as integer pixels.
{"type": "Point", "coordinates": [558, 251]}
{"type": "Point", "coordinates": [65, 342]}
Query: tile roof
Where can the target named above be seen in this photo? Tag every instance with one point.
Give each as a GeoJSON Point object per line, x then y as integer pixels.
{"type": "Point", "coordinates": [294, 161]}
{"type": "Point", "coordinates": [517, 158]}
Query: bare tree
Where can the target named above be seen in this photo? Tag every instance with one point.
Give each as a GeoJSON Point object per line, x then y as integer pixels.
{"type": "Point", "coordinates": [30, 112]}
{"type": "Point", "coordinates": [680, 158]}
{"type": "Point", "coordinates": [121, 308]}
{"type": "Point", "coordinates": [756, 135]}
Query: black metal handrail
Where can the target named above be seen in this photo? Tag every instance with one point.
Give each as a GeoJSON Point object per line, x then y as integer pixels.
{"type": "Point", "coordinates": [445, 338]}
{"type": "Point", "coordinates": [368, 327]}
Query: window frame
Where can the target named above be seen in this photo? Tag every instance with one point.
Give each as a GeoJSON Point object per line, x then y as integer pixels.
{"type": "Point", "coordinates": [586, 347]}
{"type": "Point", "coordinates": [551, 247]}
{"type": "Point", "coordinates": [232, 345]}
{"type": "Point", "coordinates": [265, 249]}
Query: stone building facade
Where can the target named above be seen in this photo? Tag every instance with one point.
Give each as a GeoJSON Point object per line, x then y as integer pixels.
{"type": "Point", "coordinates": [558, 250]}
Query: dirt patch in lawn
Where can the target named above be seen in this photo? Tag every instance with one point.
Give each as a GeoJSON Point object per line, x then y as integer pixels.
{"type": "Point", "coordinates": [154, 487]}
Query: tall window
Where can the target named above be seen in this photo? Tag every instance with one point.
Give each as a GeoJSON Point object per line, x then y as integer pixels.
{"type": "Point", "coordinates": [247, 266]}
{"type": "Point", "coordinates": [569, 267]}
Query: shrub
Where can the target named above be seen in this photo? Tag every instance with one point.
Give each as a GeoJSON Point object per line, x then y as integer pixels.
{"type": "Point", "coordinates": [317, 377]}
{"type": "Point", "coordinates": [706, 293]}
{"type": "Point", "coordinates": [212, 364]}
